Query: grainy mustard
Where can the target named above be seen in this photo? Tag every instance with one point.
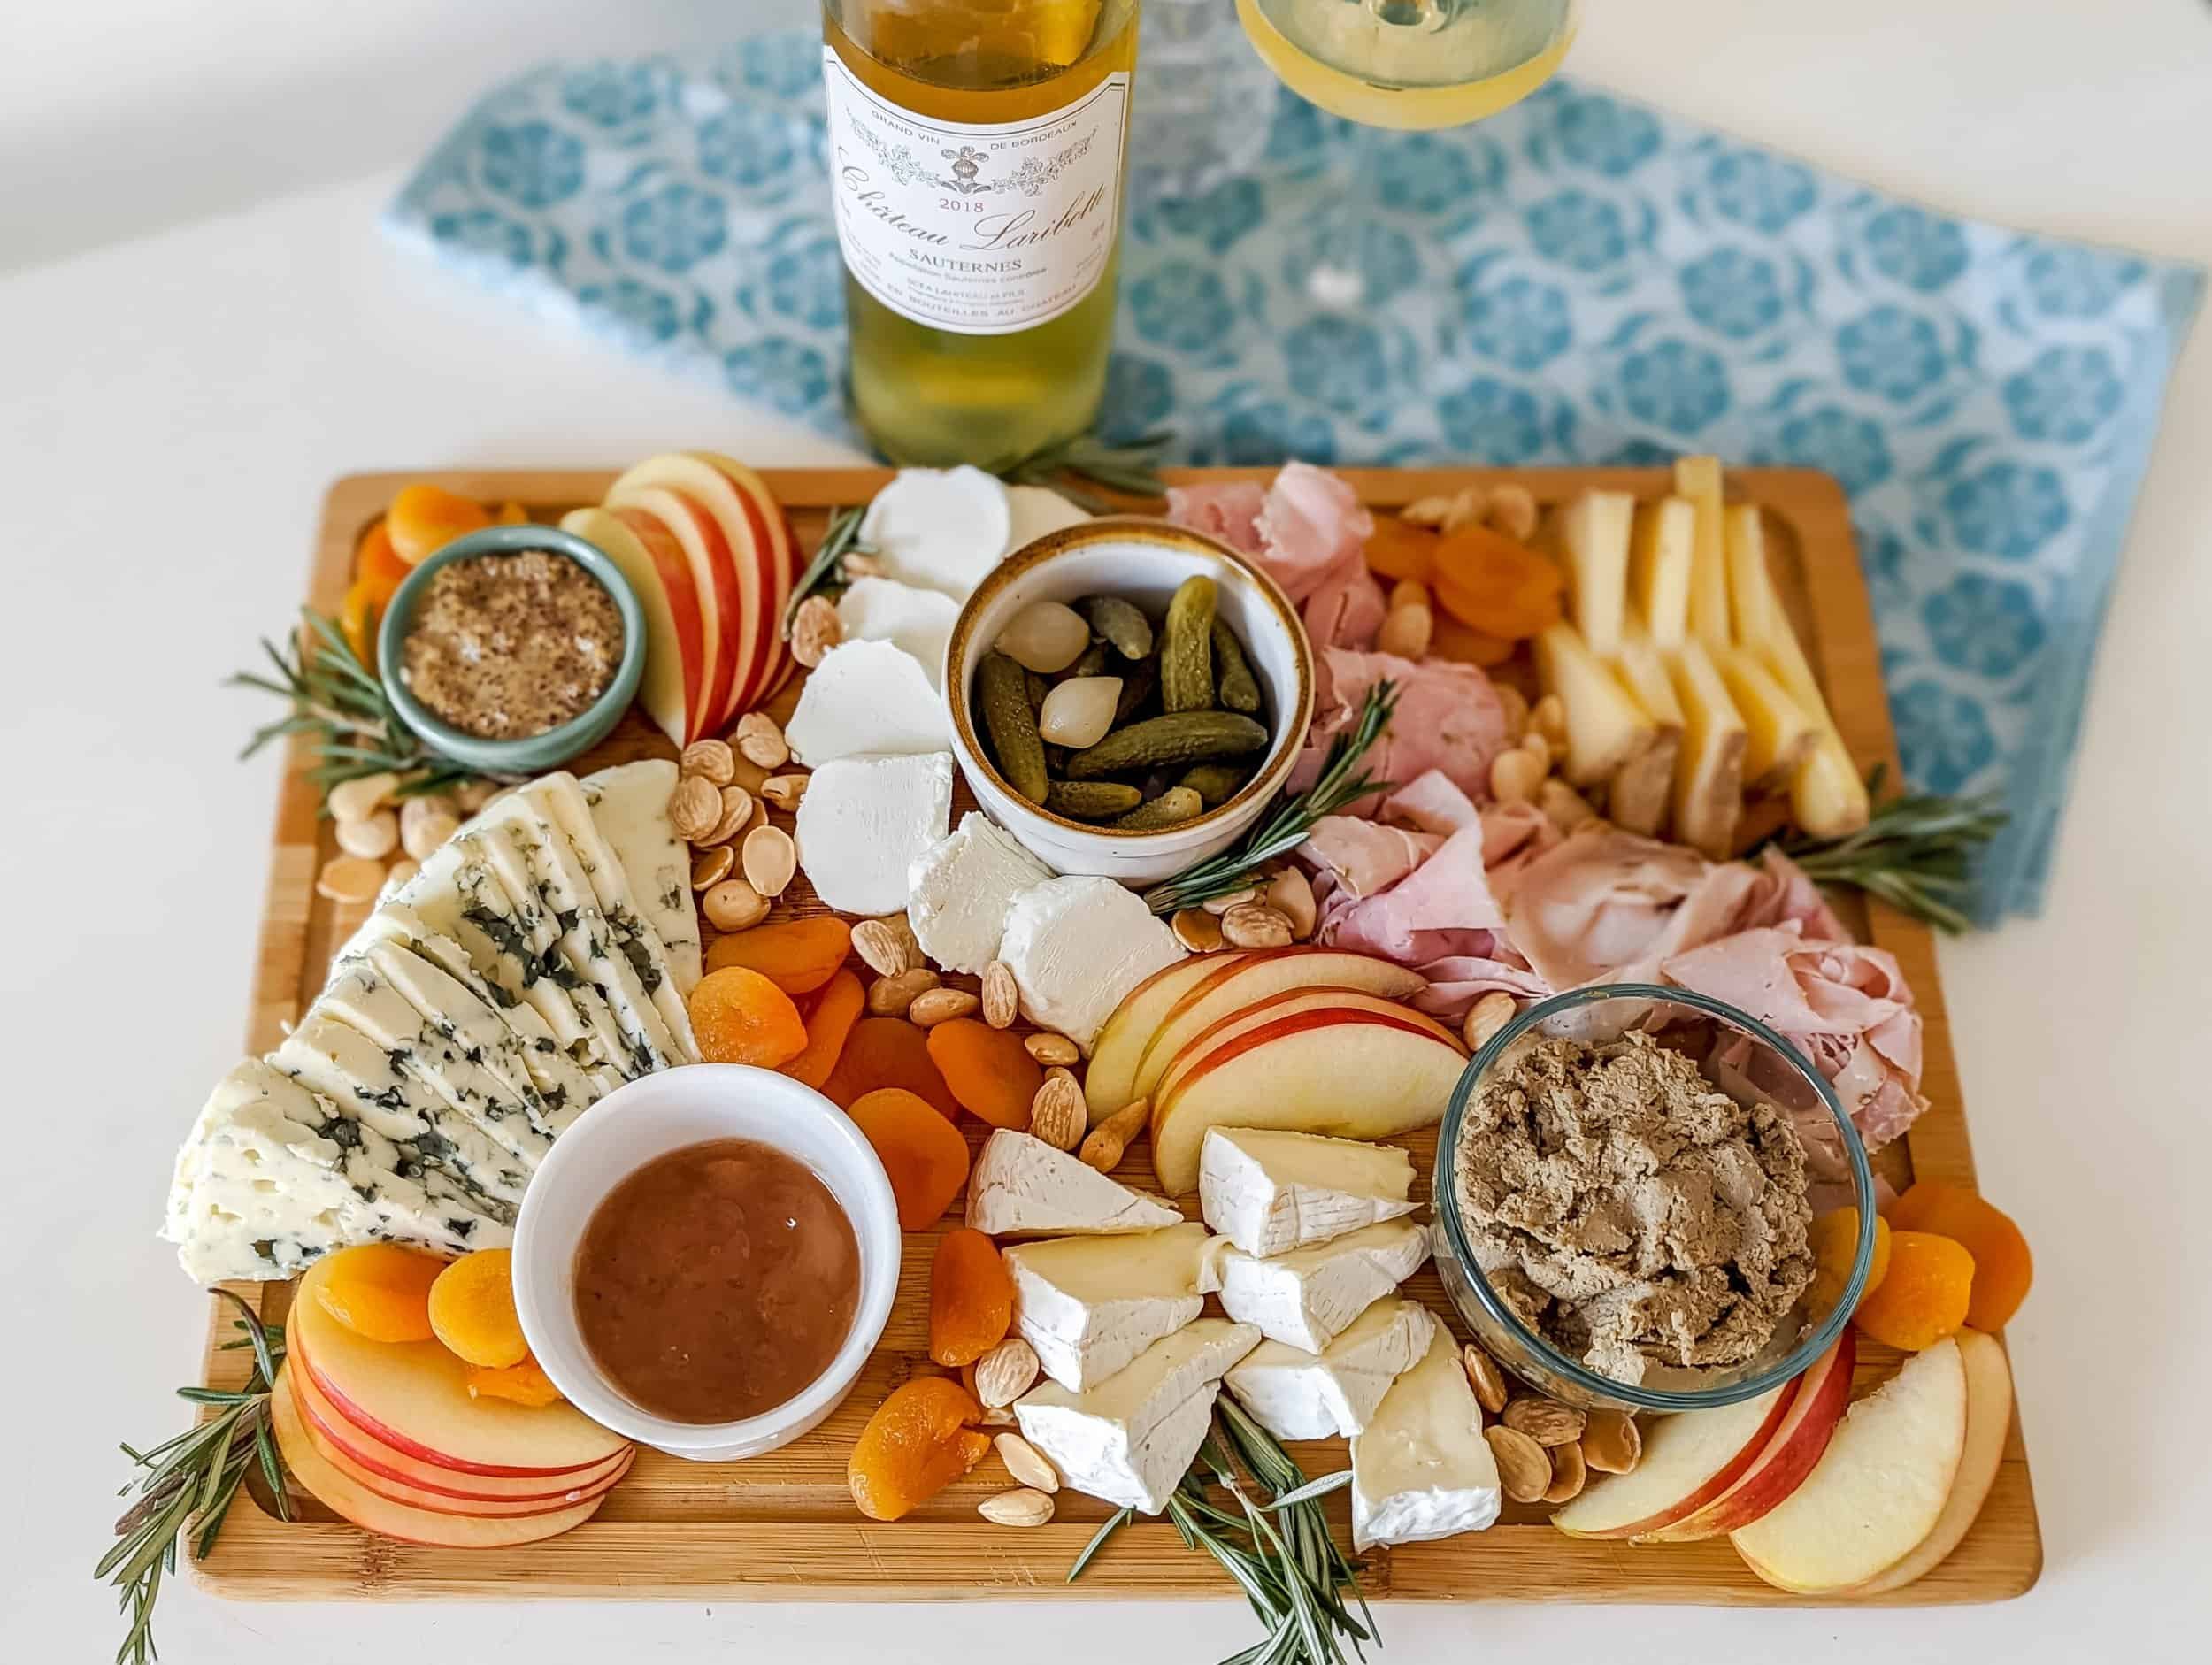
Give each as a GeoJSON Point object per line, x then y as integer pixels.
{"type": "Point", "coordinates": [503, 647]}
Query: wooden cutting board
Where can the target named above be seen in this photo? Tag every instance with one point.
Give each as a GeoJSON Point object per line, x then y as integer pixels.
{"type": "Point", "coordinates": [783, 1527]}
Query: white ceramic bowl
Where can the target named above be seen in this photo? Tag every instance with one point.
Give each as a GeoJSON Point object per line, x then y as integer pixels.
{"type": "Point", "coordinates": [649, 1117]}
{"type": "Point", "coordinates": [1143, 560]}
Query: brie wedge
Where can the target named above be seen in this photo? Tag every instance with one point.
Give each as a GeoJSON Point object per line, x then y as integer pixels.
{"type": "Point", "coordinates": [865, 820]}
{"type": "Point", "coordinates": [867, 699]}
{"type": "Point", "coordinates": [1076, 945]}
{"type": "Point", "coordinates": [1130, 1440]}
{"type": "Point", "coordinates": [1421, 1467]}
{"type": "Point", "coordinates": [1268, 1191]}
{"type": "Point", "coordinates": [1088, 1305]}
{"type": "Point", "coordinates": [1308, 1297]}
{"type": "Point", "coordinates": [1299, 1395]}
{"type": "Point", "coordinates": [960, 890]}
{"type": "Point", "coordinates": [1023, 1187]}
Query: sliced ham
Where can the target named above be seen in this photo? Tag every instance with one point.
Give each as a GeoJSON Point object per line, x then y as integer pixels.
{"type": "Point", "coordinates": [1365, 857]}
{"type": "Point", "coordinates": [1346, 609]}
{"type": "Point", "coordinates": [1443, 897]}
{"type": "Point", "coordinates": [1607, 906]}
{"type": "Point", "coordinates": [1433, 802]}
{"type": "Point", "coordinates": [1311, 526]}
{"type": "Point", "coordinates": [1229, 512]}
{"type": "Point", "coordinates": [1448, 719]}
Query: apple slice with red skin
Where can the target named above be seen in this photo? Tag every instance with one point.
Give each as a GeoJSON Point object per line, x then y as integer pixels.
{"type": "Point", "coordinates": [1824, 1393]}
{"type": "Point", "coordinates": [379, 1515]}
{"type": "Point", "coordinates": [779, 550]}
{"type": "Point", "coordinates": [407, 1479]}
{"type": "Point", "coordinates": [413, 1396]}
{"type": "Point", "coordinates": [1274, 1009]}
{"type": "Point", "coordinates": [1256, 977]}
{"type": "Point", "coordinates": [674, 682]}
{"type": "Point", "coordinates": [1109, 1081]}
{"type": "Point", "coordinates": [1689, 1459]}
{"type": "Point", "coordinates": [681, 530]}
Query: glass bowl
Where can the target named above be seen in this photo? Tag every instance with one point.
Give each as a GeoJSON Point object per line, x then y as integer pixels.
{"type": "Point", "coordinates": [1760, 1067]}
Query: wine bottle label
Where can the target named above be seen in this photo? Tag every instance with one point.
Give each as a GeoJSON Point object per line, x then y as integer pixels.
{"type": "Point", "coordinates": [980, 229]}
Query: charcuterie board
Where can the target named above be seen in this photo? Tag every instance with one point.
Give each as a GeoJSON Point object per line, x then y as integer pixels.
{"type": "Point", "coordinates": [783, 1526]}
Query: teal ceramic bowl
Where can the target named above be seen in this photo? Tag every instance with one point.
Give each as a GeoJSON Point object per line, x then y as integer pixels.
{"type": "Point", "coordinates": [537, 753]}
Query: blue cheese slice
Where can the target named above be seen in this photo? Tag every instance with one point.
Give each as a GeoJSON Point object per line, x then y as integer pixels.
{"type": "Point", "coordinates": [628, 806]}
{"type": "Point", "coordinates": [1306, 1299]}
{"type": "Point", "coordinates": [1299, 1395]}
{"type": "Point", "coordinates": [1421, 1467]}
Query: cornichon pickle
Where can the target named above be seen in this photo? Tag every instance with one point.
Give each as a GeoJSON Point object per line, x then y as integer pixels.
{"type": "Point", "coordinates": [1171, 807]}
{"type": "Point", "coordinates": [1091, 800]}
{"type": "Point", "coordinates": [1186, 659]}
{"type": "Point", "coordinates": [1120, 622]}
{"type": "Point", "coordinates": [1035, 685]}
{"type": "Point", "coordinates": [1004, 699]}
{"type": "Point", "coordinates": [1179, 737]}
{"type": "Point", "coordinates": [1239, 689]}
{"type": "Point", "coordinates": [1090, 663]}
{"type": "Point", "coordinates": [1216, 783]}
{"type": "Point", "coordinates": [1137, 683]}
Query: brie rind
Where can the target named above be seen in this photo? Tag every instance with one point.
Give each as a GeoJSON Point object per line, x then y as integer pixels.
{"type": "Point", "coordinates": [865, 820]}
{"type": "Point", "coordinates": [1299, 1395]}
{"type": "Point", "coordinates": [1076, 946]}
{"type": "Point", "coordinates": [1023, 1187]}
{"type": "Point", "coordinates": [1421, 1467]}
{"type": "Point", "coordinates": [1129, 1441]}
{"type": "Point", "coordinates": [867, 699]}
{"type": "Point", "coordinates": [1307, 1298]}
{"type": "Point", "coordinates": [961, 889]}
{"type": "Point", "coordinates": [1268, 1191]}
{"type": "Point", "coordinates": [1088, 1305]}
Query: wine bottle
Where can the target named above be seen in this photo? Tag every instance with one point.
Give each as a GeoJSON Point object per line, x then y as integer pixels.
{"type": "Point", "coordinates": [976, 152]}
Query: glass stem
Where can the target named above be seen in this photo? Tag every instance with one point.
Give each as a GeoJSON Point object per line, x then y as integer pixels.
{"type": "Point", "coordinates": [1344, 217]}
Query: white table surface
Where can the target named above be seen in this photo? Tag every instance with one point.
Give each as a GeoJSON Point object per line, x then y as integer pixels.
{"type": "Point", "coordinates": [171, 408]}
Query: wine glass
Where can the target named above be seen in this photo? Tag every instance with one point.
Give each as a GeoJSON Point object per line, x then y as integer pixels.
{"type": "Point", "coordinates": [1401, 65]}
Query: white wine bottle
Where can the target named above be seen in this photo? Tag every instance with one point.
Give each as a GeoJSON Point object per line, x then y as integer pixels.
{"type": "Point", "coordinates": [976, 153]}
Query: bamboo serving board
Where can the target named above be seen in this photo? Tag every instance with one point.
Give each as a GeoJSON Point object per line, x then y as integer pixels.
{"type": "Point", "coordinates": [783, 1527]}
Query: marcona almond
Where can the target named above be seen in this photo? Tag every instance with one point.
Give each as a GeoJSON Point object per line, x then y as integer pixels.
{"type": "Point", "coordinates": [372, 837]}
{"type": "Point", "coordinates": [1611, 1442]}
{"type": "Point", "coordinates": [1049, 1047]}
{"type": "Point", "coordinates": [427, 832]}
{"type": "Point", "coordinates": [1487, 1015]}
{"type": "Point", "coordinates": [1290, 894]}
{"type": "Point", "coordinates": [1005, 1373]}
{"type": "Point", "coordinates": [349, 879]}
{"type": "Point", "coordinates": [770, 859]}
{"type": "Point", "coordinates": [1569, 1472]}
{"type": "Point", "coordinates": [471, 795]}
{"type": "Point", "coordinates": [363, 797]}
{"type": "Point", "coordinates": [1534, 741]}
{"type": "Point", "coordinates": [693, 809]}
{"type": "Point", "coordinates": [1407, 630]}
{"type": "Point", "coordinates": [1484, 1377]}
{"type": "Point", "coordinates": [1562, 806]}
{"type": "Point", "coordinates": [935, 1006]}
{"type": "Point", "coordinates": [710, 866]}
{"type": "Point", "coordinates": [1056, 1115]}
{"type": "Point", "coordinates": [1025, 1505]}
{"type": "Point", "coordinates": [1523, 1466]}
{"type": "Point", "coordinates": [1546, 1421]}
{"type": "Point", "coordinates": [890, 996]}
{"type": "Point", "coordinates": [1409, 591]}
{"type": "Point", "coordinates": [1515, 775]}
{"type": "Point", "coordinates": [1512, 510]}
{"type": "Point", "coordinates": [733, 905]}
{"type": "Point", "coordinates": [761, 740]}
{"type": "Point", "coordinates": [1466, 510]}
{"type": "Point", "coordinates": [1108, 1142]}
{"type": "Point", "coordinates": [711, 760]}
{"type": "Point", "coordinates": [423, 807]}
{"type": "Point", "coordinates": [1515, 704]}
{"type": "Point", "coordinates": [998, 1417]}
{"type": "Point", "coordinates": [1196, 930]}
{"type": "Point", "coordinates": [858, 565]}
{"type": "Point", "coordinates": [1219, 905]}
{"type": "Point", "coordinates": [737, 815]}
{"type": "Point", "coordinates": [1548, 718]}
{"type": "Point", "coordinates": [1426, 511]}
{"type": "Point", "coordinates": [886, 945]}
{"type": "Point", "coordinates": [1255, 926]}
{"type": "Point", "coordinates": [1002, 997]}
{"type": "Point", "coordinates": [815, 629]}
{"type": "Point", "coordinates": [1026, 1463]}
{"type": "Point", "coordinates": [784, 791]}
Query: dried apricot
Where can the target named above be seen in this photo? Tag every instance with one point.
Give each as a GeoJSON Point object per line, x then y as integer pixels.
{"type": "Point", "coordinates": [2004, 1267]}
{"type": "Point", "coordinates": [988, 1070]}
{"type": "Point", "coordinates": [1924, 1297]}
{"type": "Point", "coordinates": [358, 617]}
{"type": "Point", "coordinates": [380, 1290]}
{"type": "Point", "coordinates": [512, 515]}
{"type": "Point", "coordinates": [924, 1153]}
{"type": "Point", "coordinates": [828, 1022]}
{"type": "Point", "coordinates": [376, 561]}
{"type": "Point", "coordinates": [1835, 1241]}
{"type": "Point", "coordinates": [919, 1441]}
{"type": "Point", "coordinates": [1487, 581]}
{"type": "Point", "coordinates": [740, 1016]}
{"type": "Point", "coordinates": [424, 518]}
{"type": "Point", "coordinates": [799, 955]}
{"type": "Point", "coordinates": [1451, 639]}
{"type": "Point", "coordinates": [523, 1383]}
{"type": "Point", "coordinates": [971, 1297]}
{"type": "Point", "coordinates": [473, 1311]}
{"type": "Point", "coordinates": [1400, 550]}
{"type": "Point", "coordinates": [889, 1051]}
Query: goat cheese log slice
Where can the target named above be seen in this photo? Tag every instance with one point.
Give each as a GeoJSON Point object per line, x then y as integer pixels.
{"type": "Point", "coordinates": [1076, 946]}
{"type": "Point", "coordinates": [962, 888]}
{"type": "Point", "coordinates": [865, 821]}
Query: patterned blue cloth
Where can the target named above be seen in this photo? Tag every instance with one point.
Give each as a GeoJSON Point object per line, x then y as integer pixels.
{"type": "Point", "coordinates": [1578, 279]}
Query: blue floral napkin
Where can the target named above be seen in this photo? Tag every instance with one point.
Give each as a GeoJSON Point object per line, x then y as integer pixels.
{"type": "Point", "coordinates": [1579, 280]}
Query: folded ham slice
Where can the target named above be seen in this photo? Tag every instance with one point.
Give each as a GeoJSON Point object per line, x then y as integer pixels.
{"type": "Point", "coordinates": [1307, 530]}
{"type": "Point", "coordinates": [1607, 906]}
{"type": "Point", "coordinates": [1227, 512]}
{"type": "Point", "coordinates": [1448, 719]}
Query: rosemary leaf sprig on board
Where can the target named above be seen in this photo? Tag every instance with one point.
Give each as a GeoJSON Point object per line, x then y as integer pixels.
{"type": "Point", "coordinates": [1916, 852]}
{"type": "Point", "coordinates": [1341, 782]}
{"type": "Point", "coordinates": [841, 537]}
{"type": "Point", "coordinates": [1132, 468]}
{"type": "Point", "coordinates": [192, 1479]}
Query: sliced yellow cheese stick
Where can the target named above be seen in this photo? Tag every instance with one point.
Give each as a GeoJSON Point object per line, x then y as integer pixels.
{"type": "Point", "coordinates": [1754, 609]}
{"type": "Point", "coordinates": [1782, 732]}
{"type": "Point", "coordinates": [1708, 770]}
{"type": "Point", "coordinates": [1828, 797]}
{"type": "Point", "coordinates": [1660, 553]}
{"type": "Point", "coordinates": [1594, 534]}
{"type": "Point", "coordinates": [1697, 479]}
{"type": "Point", "coordinates": [1605, 726]}
{"type": "Point", "coordinates": [1642, 789]}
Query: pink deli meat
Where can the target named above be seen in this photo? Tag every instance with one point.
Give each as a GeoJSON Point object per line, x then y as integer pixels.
{"type": "Point", "coordinates": [1607, 906]}
{"type": "Point", "coordinates": [1448, 719]}
{"type": "Point", "coordinates": [1307, 531]}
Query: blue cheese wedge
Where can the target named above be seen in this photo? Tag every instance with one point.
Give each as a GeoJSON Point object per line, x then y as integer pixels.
{"type": "Point", "coordinates": [1307, 1298]}
{"type": "Point", "coordinates": [1076, 946]}
{"type": "Point", "coordinates": [1089, 1305]}
{"type": "Point", "coordinates": [1299, 1395]}
{"type": "Point", "coordinates": [1130, 1439]}
{"type": "Point", "coordinates": [1023, 1187]}
{"type": "Point", "coordinates": [962, 888]}
{"type": "Point", "coordinates": [865, 821]}
{"type": "Point", "coordinates": [1421, 1467]}
{"type": "Point", "coordinates": [1269, 1192]}
{"type": "Point", "coordinates": [628, 805]}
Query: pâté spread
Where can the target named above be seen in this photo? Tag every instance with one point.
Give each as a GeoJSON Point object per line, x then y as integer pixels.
{"type": "Point", "coordinates": [503, 647]}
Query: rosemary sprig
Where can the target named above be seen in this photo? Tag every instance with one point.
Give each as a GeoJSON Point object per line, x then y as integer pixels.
{"type": "Point", "coordinates": [1341, 782]}
{"type": "Point", "coordinates": [193, 1478]}
{"type": "Point", "coordinates": [841, 537]}
{"type": "Point", "coordinates": [1131, 469]}
{"type": "Point", "coordinates": [1280, 1551]}
{"type": "Point", "coordinates": [1916, 852]}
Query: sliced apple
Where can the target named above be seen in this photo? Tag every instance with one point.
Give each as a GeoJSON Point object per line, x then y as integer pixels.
{"type": "Point", "coordinates": [721, 525]}
{"type": "Point", "coordinates": [1689, 1459]}
{"type": "Point", "coordinates": [1709, 771]}
{"type": "Point", "coordinates": [367, 1509]}
{"type": "Point", "coordinates": [1789, 1454]}
{"type": "Point", "coordinates": [1988, 1422]}
{"type": "Point", "coordinates": [780, 553]}
{"type": "Point", "coordinates": [1606, 727]}
{"type": "Point", "coordinates": [413, 1396]}
{"type": "Point", "coordinates": [1698, 480]}
{"type": "Point", "coordinates": [1780, 734]}
{"type": "Point", "coordinates": [1878, 1490]}
{"type": "Point", "coordinates": [1260, 977]}
{"type": "Point", "coordinates": [674, 681]}
{"type": "Point", "coordinates": [1274, 1009]}
{"type": "Point", "coordinates": [1661, 550]}
{"type": "Point", "coordinates": [1594, 538]}
{"type": "Point", "coordinates": [714, 572]}
{"type": "Point", "coordinates": [1110, 1082]}
{"type": "Point", "coordinates": [1345, 1073]}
